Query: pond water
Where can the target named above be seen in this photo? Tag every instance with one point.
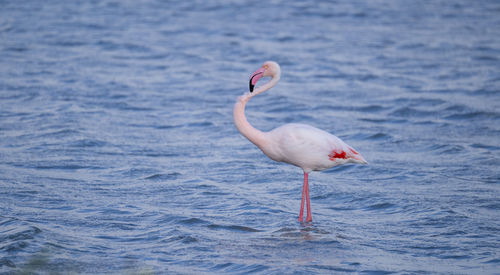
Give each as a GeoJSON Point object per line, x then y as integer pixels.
{"type": "Point", "coordinates": [118, 153]}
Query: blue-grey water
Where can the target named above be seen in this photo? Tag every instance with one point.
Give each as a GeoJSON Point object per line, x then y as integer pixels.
{"type": "Point", "coordinates": [118, 153]}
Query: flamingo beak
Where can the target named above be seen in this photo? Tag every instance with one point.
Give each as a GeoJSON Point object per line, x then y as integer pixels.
{"type": "Point", "coordinates": [255, 77]}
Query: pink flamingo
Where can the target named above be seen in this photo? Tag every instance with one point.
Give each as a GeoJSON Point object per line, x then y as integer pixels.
{"type": "Point", "coordinates": [301, 145]}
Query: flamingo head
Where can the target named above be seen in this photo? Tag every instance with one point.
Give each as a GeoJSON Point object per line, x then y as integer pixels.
{"type": "Point", "coordinates": [269, 68]}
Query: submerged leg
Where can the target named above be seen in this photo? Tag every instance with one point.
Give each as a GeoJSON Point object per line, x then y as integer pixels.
{"type": "Point", "coordinates": [301, 213]}
{"type": "Point", "coordinates": [306, 182]}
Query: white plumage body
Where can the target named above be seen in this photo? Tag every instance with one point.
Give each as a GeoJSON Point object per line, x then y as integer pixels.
{"type": "Point", "coordinates": [307, 147]}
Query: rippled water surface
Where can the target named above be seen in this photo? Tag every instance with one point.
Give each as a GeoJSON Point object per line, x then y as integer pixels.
{"type": "Point", "coordinates": [118, 153]}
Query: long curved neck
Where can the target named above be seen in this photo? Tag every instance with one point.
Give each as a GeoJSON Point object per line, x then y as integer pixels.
{"type": "Point", "coordinates": [246, 129]}
{"type": "Point", "coordinates": [256, 136]}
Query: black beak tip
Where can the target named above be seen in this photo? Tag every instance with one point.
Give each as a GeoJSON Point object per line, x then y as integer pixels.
{"type": "Point", "coordinates": [251, 86]}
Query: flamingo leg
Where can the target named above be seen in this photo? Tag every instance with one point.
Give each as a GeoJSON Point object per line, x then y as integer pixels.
{"type": "Point", "coordinates": [301, 213]}
{"type": "Point", "coordinates": [306, 181]}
